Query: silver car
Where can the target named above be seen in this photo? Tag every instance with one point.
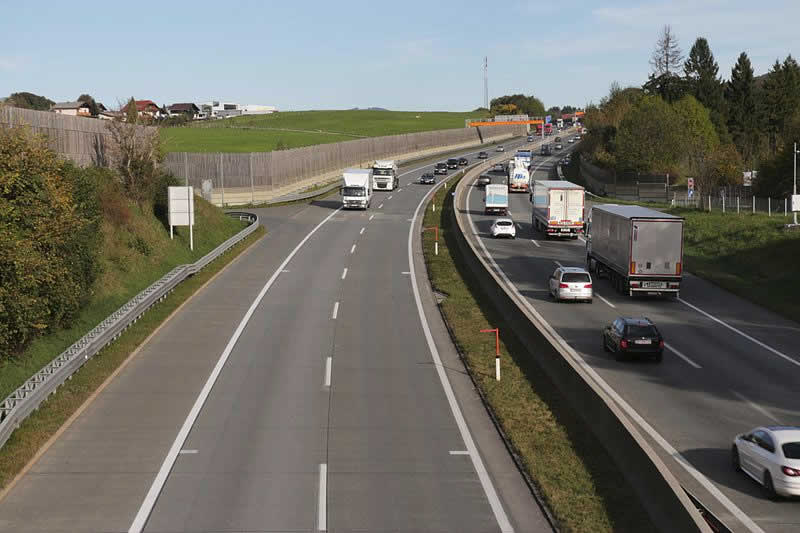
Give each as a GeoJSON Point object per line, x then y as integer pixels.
{"type": "Point", "coordinates": [571, 283]}
{"type": "Point", "coordinates": [771, 456]}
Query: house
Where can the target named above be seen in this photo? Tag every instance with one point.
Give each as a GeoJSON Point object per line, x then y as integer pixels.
{"type": "Point", "coordinates": [186, 109]}
{"type": "Point", "coordinates": [216, 109]}
{"type": "Point", "coordinates": [110, 115]}
{"type": "Point", "coordinates": [145, 108]}
{"type": "Point", "coordinates": [75, 109]}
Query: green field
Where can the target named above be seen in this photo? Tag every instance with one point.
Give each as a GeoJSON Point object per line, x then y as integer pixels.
{"type": "Point", "coordinates": [293, 129]}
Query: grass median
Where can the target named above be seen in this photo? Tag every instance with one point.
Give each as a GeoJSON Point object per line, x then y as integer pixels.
{"type": "Point", "coordinates": [578, 480]}
{"type": "Point", "coordinates": [43, 423]}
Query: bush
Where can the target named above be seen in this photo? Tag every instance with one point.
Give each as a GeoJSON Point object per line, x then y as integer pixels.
{"type": "Point", "coordinates": [50, 236]}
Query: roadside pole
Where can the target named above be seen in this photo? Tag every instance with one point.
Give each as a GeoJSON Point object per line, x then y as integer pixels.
{"type": "Point", "coordinates": [794, 193]}
{"type": "Point", "coordinates": [435, 239]}
{"type": "Point", "coordinates": [496, 332]}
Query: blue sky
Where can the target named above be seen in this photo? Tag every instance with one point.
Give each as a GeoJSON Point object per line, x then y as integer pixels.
{"type": "Point", "coordinates": [411, 55]}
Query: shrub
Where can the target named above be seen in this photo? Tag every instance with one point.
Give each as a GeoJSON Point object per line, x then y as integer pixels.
{"type": "Point", "coordinates": [49, 238]}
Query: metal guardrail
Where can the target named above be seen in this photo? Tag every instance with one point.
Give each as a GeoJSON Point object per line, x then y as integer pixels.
{"type": "Point", "coordinates": [27, 398]}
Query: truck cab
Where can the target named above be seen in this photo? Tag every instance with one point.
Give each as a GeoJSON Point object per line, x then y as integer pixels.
{"type": "Point", "coordinates": [356, 191]}
{"type": "Point", "coordinates": [385, 176]}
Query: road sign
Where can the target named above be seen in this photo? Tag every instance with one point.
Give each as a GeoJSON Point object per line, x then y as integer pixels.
{"type": "Point", "coordinates": [181, 210]}
{"type": "Point", "coordinates": [547, 119]}
{"type": "Point", "coordinates": [795, 203]}
{"type": "Point", "coordinates": [690, 187]}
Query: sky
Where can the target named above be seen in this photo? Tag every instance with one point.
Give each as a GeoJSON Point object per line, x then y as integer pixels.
{"type": "Point", "coordinates": [409, 55]}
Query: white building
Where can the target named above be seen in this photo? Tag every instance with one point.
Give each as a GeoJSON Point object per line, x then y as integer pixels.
{"type": "Point", "coordinates": [217, 109]}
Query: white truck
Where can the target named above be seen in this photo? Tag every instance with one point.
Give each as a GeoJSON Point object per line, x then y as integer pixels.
{"type": "Point", "coordinates": [557, 208]}
{"type": "Point", "coordinates": [519, 174]}
{"type": "Point", "coordinates": [356, 188]}
{"type": "Point", "coordinates": [495, 199]}
{"type": "Point", "coordinates": [639, 249]}
{"type": "Point", "coordinates": [384, 176]}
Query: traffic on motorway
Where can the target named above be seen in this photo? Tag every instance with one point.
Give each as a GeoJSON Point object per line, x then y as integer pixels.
{"type": "Point", "coordinates": [631, 259]}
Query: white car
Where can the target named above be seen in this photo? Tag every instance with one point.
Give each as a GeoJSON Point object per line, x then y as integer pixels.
{"type": "Point", "coordinates": [501, 149]}
{"type": "Point", "coordinates": [571, 140]}
{"type": "Point", "coordinates": [771, 456]}
{"type": "Point", "coordinates": [504, 227]}
{"type": "Point", "coordinates": [571, 283]}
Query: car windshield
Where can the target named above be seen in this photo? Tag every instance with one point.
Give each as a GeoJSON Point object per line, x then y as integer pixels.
{"type": "Point", "coordinates": [353, 191]}
{"type": "Point", "coordinates": [504, 223]}
{"type": "Point", "coordinates": [451, 161]}
{"type": "Point", "coordinates": [441, 165]}
{"type": "Point", "coordinates": [575, 277]}
{"type": "Point", "coordinates": [635, 330]}
{"type": "Point", "coordinates": [382, 171]}
{"type": "Point", "coordinates": [791, 450]}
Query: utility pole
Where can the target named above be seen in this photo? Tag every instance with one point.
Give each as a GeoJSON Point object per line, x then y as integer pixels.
{"type": "Point", "coordinates": [486, 82]}
{"type": "Point", "coordinates": [795, 181]}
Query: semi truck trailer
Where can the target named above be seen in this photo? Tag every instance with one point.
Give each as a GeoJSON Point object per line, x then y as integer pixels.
{"type": "Point", "coordinates": [639, 249]}
{"type": "Point", "coordinates": [557, 208]}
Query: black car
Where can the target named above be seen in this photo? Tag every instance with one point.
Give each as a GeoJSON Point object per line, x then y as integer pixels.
{"type": "Point", "coordinates": [633, 336]}
{"type": "Point", "coordinates": [463, 161]}
{"type": "Point", "coordinates": [440, 168]}
{"type": "Point", "coordinates": [546, 150]}
{"type": "Point", "coordinates": [484, 179]}
{"type": "Point", "coordinates": [483, 155]}
{"type": "Point", "coordinates": [452, 163]}
{"type": "Point", "coordinates": [428, 178]}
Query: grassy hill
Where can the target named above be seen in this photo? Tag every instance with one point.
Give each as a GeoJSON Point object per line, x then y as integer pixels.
{"type": "Point", "coordinates": [261, 133]}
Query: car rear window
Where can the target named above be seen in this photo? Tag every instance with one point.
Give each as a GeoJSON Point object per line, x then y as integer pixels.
{"type": "Point", "coordinates": [575, 277]}
{"type": "Point", "coordinates": [791, 450]}
{"type": "Point", "coordinates": [635, 330]}
{"type": "Point", "coordinates": [504, 223]}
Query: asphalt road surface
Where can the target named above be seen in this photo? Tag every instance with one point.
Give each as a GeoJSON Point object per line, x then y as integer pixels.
{"type": "Point", "coordinates": [299, 391]}
{"type": "Point", "coordinates": [730, 365]}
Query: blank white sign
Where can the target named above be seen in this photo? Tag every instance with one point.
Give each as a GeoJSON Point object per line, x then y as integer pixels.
{"type": "Point", "coordinates": [181, 206]}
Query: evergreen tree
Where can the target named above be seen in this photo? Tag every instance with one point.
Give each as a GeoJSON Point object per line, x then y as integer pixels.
{"type": "Point", "coordinates": [701, 74]}
{"type": "Point", "coordinates": [743, 118]}
{"type": "Point", "coordinates": [781, 100]}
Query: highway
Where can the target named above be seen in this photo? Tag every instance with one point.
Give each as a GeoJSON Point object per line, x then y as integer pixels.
{"type": "Point", "coordinates": [730, 365]}
{"type": "Point", "coordinates": [311, 386]}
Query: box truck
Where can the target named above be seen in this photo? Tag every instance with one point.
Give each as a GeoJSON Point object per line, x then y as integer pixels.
{"type": "Point", "coordinates": [356, 188]}
{"type": "Point", "coordinates": [639, 249]}
{"type": "Point", "coordinates": [495, 199]}
{"type": "Point", "coordinates": [384, 176]}
{"type": "Point", "coordinates": [557, 208]}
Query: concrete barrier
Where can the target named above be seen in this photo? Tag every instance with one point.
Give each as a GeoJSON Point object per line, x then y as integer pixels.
{"type": "Point", "coordinates": [662, 496]}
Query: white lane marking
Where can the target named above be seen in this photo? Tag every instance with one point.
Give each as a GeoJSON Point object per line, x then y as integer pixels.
{"type": "Point", "coordinates": [559, 264]}
{"type": "Point", "coordinates": [405, 273]}
{"type": "Point", "coordinates": [380, 206]}
{"type": "Point", "coordinates": [606, 301]}
{"type": "Point", "coordinates": [477, 462]}
{"type": "Point", "coordinates": [328, 363]}
{"type": "Point", "coordinates": [335, 311]}
{"type": "Point", "coordinates": [679, 354]}
{"type": "Point", "coordinates": [755, 406]}
{"type": "Point", "coordinates": [322, 498]}
{"type": "Point", "coordinates": [519, 225]}
{"type": "Point", "coordinates": [344, 273]}
{"type": "Point", "coordinates": [187, 452]}
{"type": "Point", "coordinates": [362, 231]}
{"type": "Point", "coordinates": [409, 220]}
{"type": "Point", "coordinates": [140, 520]}
{"type": "Point", "coordinates": [399, 190]}
{"type": "Point", "coordinates": [536, 243]}
{"type": "Point", "coordinates": [371, 217]}
{"type": "Point", "coordinates": [740, 332]}
{"type": "Point", "coordinates": [284, 271]}
{"type": "Point", "coordinates": [581, 238]}
{"type": "Point", "coordinates": [352, 248]}
{"type": "Point", "coordinates": [459, 452]}
{"type": "Point", "coordinates": [625, 406]}
{"type": "Point", "coordinates": [389, 197]}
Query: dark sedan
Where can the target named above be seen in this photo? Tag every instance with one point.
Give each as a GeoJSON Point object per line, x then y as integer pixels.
{"type": "Point", "coordinates": [452, 163]}
{"type": "Point", "coordinates": [628, 337]}
{"type": "Point", "coordinates": [428, 178]}
{"type": "Point", "coordinates": [441, 168]}
{"type": "Point", "coordinates": [463, 161]}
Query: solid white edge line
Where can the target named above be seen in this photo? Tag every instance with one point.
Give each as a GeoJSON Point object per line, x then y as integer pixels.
{"type": "Point", "coordinates": [140, 520]}
{"type": "Point", "coordinates": [328, 364]}
{"type": "Point", "coordinates": [679, 354]}
{"type": "Point", "coordinates": [477, 462]}
{"type": "Point", "coordinates": [335, 311]}
{"type": "Point", "coordinates": [625, 406]}
{"type": "Point", "coordinates": [322, 498]}
{"type": "Point", "coordinates": [606, 301]}
{"type": "Point", "coordinates": [755, 406]}
{"type": "Point", "coordinates": [344, 273]}
{"type": "Point", "coordinates": [740, 332]}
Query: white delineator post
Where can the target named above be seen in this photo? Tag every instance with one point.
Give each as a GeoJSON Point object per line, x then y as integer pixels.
{"type": "Point", "coordinates": [754, 205]}
{"type": "Point", "coordinates": [737, 205]}
{"type": "Point", "coordinates": [794, 193]}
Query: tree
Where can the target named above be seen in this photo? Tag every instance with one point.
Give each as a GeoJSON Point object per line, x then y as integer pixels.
{"type": "Point", "coordinates": [94, 109]}
{"type": "Point", "coordinates": [740, 94]}
{"type": "Point", "coordinates": [781, 98]}
{"type": "Point", "coordinates": [668, 86]}
{"type": "Point", "coordinates": [648, 139]}
{"type": "Point", "coordinates": [667, 56]}
{"type": "Point", "coordinates": [528, 105]}
{"type": "Point", "coordinates": [30, 101]}
{"type": "Point", "coordinates": [698, 138]}
{"type": "Point", "coordinates": [701, 80]}
{"type": "Point", "coordinates": [568, 109]}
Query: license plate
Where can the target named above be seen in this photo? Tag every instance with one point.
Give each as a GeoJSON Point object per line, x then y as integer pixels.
{"type": "Point", "coordinates": [574, 290]}
{"type": "Point", "coordinates": [654, 285]}
{"type": "Point", "coordinates": [643, 341]}
{"type": "Point", "coordinates": [564, 230]}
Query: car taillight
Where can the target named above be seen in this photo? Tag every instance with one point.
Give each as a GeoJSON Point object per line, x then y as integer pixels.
{"type": "Point", "coordinates": [563, 286]}
{"type": "Point", "coordinates": [661, 344]}
{"type": "Point", "coordinates": [587, 286]}
{"type": "Point", "coordinates": [789, 471]}
{"type": "Point", "coordinates": [623, 343]}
